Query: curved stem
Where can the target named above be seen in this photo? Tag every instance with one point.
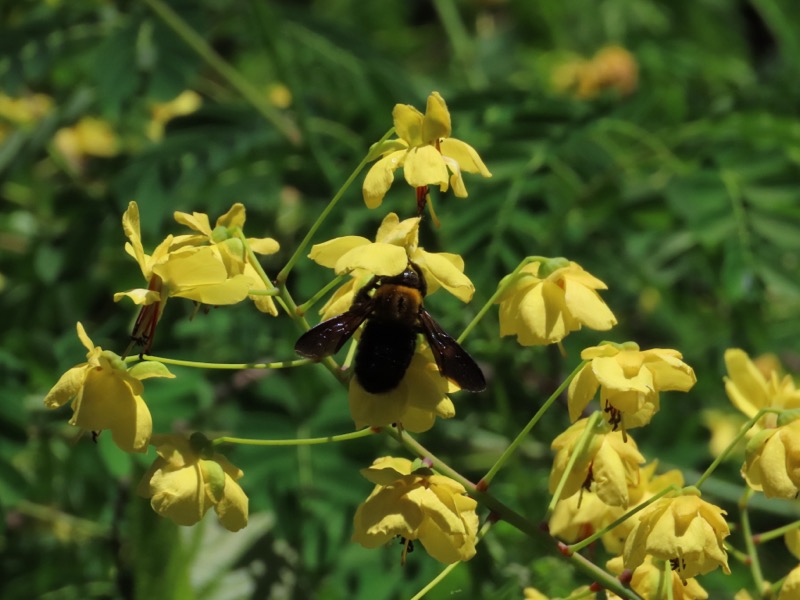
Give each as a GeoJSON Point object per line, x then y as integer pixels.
{"type": "Point", "coordinates": [256, 264]}
{"type": "Point", "coordinates": [303, 308]}
{"type": "Point", "coordinates": [752, 555]}
{"type": "Point", "coordinates": [284, 364]}
{"type": "Point", "coordinates": [284, 273]}
{"type": "Point", "coordinates": [760, 538]}
{"type": "Point", "coordinates": [732, 445]}
{"type": "Point", "coordinates": [509, 451]}
{"type": "Point", "coordinates": [344, 437]}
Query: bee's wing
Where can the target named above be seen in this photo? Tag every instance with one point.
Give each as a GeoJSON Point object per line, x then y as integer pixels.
{"type": "Point", "coordinates": [452, 360]}
{"type": "Point", "coordinates": [329, 336]}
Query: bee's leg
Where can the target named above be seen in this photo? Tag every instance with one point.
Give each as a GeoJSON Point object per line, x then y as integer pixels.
{"type": "Point", "coordinates": [362, 295]}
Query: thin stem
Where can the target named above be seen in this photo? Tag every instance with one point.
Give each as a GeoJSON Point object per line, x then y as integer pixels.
{"type": "Point", "coordinates": [284, 364]}
{"type": "Point", "coordinates": [755, 564]}
{"type": "Point", "coordinates": [737, 554]}
{"type": "Point", "coordinates": [578, 546]}
{"type": "Point", "coordinates": [284, 273]}
{"type": "Point", "coordinates": [303, 308]}
{"type": "Point", "coordinates": [196, 42]}
{"type": "Point", "coordinates": [577, 452]}
{"type": "Point", "coordinates": [760, 538]}
{"type": "Point", "coordinates": [256, 264]}
{"type": "Point", "coordinates": [272, 292]}
{"type": "Point", "coordinates": [344, 437]}
{"type": "Point", "coordinates": [500, 289]}
{"type": "Point", "coordinates": [732, 445]}
{"type": "Point", "coordinates": [509, 451]}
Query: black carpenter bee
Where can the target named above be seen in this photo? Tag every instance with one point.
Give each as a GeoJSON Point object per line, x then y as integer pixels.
{"type": "Point", "coordinates": [394, 316]}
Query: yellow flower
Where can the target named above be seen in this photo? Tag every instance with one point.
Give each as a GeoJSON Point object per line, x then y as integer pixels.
{"type": "Point", "coordinates": [162, 113]}
{"type": "Point", "coordinates": [396, 243]}
{"type": "Point", "coordinates": [750, 391]}
{"type": "Point", "coordinates": [188, 478]}
{"type": "Point", "coordinates": [420, 397]}
{"type": "Point", "coordinates": [533, 594]}
{"type": "Point", "coordinates": [25, 110]}
{"type": "Point", "coordinates": [647, 581]}
{"type": "Point", "coordinates": [790, 590]}
{"type": "Point", "coordinates": [223, 238]}
{"type": "Point", "coordinates": [417, 505]}
{"type": "Point", "coordinates": [772, 461]}
{"type": "Point", "coordinates": [684, 530]}
{"type": "Point", "coordinates": [629, 380]}
{"type": "Point", "coordinates": [608, 466]}
{"type": "Point", "coordinates": [107, 395]}
{"type": "Point", "coordinates": [196, 273]}
{"type": "Point", "coordinates": [580, 515]}
{"type": "Point", "coordinates": [426, 152]}
{"type": "Point", "coordinates": [88, 137]}
{"type": "Point", "coordinates": [546, 301]}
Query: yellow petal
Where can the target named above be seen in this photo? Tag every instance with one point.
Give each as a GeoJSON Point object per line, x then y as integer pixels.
{"type": "Point", "coordinates": [378, 258]}
{"type": "Point", "coordinates": [436, 122]}
{"type": "Point", "coordinates": [408, 123]}
{"type": "Point", "coordinates": [376, 410]}
{"type": "Point", "coordinates": [610, 374]}
{"type": "Point", "coordinates": [387, 470]}
{"type": "Point", "coordinates": [235, 217]}
{"type": "Point", "coordinates": [263, 245]}
{"type": "Point", "coordinates": [67, 387]}
{"type": "Point", "coordinates": [84, 338]}
{"type": "Point", "coordinates": [790, 590]}
{"type": "Point", "coordinates": [328, 253]}
{"type": "Point", "coordinates": [400, 233]}
{"type": "Point", "coordinates": [424, 166]}
{"type": "Point", "coordinates": [775, 478]}
{"type": "Point", "coordinates": [582, 390]}
{"type": "Point", "coordinates": [232, 509]}
{"type": "Point", "coordinates": [178, 495]}
{"type": "Point", "coordinates": [745, 385]}
{"type": "Point", "coordinates": [444, 270]}
{"type": "Point", "coordinates": [131, 225]}
{"type": "Point", "coordinates": [586, 305]}
{"type": "Point", "coordinates": [139, 296]}
{"type": "Point", "coordinates": [465, 155]}
{"type": "Point", "coordinates": [196, 221]}
{"type": "Point", "coordinates": [384, 515]}
{"type": "Point", "coordinates": [380, 178]}
{"type": "Point", "coordinates": [669, 371]}
{"type": "Point", "coordinates": [610, 480]}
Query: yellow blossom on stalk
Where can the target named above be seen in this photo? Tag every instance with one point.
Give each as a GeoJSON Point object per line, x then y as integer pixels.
{"type": "Point", "coordinates": [548, 299]}
{"type": "Point", "coordinates": [580, 515]}
{"type": "Point", "coordinates": [790, 590]}
{"type": "Point", "coordinates": [105, 394]}
{"type": "Point", "coordinates": [426, 152]}
{"type": "Point", "coordinates": [531, 593]}
{"type": "Point", "coordinates": [196, 273]}
{"type": "Point", "coordinates": [647, 581]}
{"type": "Point", "coordinates": [396, 243]}
{"type": "Point", "coordinates": [420, 397]}
{"type": "Point", "coordinates": [416, 505]}
{"type": "Point", "coordinates": [188, 478]}
{"type": "Point", "coordinates": [162, 113]}
{"type": "Point", "coordinates": [750, 391]}
{"type": "Point", "coordinates": [629, 380]}
{"type": "Point", "coordinates": [683, 529]}
{"type": "Point", "coordinates": [223, 238]}
{"type": "Point", "coordinates": [772, 461]}
{"type": "Point", "coordinates": [608, 466]}
{"type": "Point", "coordinates": [25, 110]}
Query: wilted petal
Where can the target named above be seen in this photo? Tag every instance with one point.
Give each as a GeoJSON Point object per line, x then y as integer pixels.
{"type": "Point", "coordinates": [67, 387]}
{"type": "Point", "coordinates": [178, 494]}
{"type": "Point", "coordinates": [232, 509]}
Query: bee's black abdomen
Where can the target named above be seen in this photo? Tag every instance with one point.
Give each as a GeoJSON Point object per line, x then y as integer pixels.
{"type": "Point", "coordinates": [383, 355]}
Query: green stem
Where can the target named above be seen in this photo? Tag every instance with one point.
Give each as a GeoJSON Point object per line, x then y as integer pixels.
{"type": "Point", "coordinates": [577, 452]}
{"type": "Point", "coordinates": [272, 292]}
{"type": "Point", "coordinates": [284, 364]}
{"type": "Point", "coordinates": [747, 534]}
{"type": "Point", "coordinates": [732, 445]}
{"type": "Point", "coordinates": [284, 273]}
{"type": "Point", "coordinates": [760, 538]}
{"type": "Point", "coordinates": [303, 308]}
{"type": "Point", "coordinates": [196, 42]}
{"type": "Point", "coordinates": [578, 546]}
{"type": "Point", "coordinates": [256, 264]}
{"type": "Point", "coordinates": [500, 289]}
{"type": "Point", "coordinates": [344, 437]}
{"type": "Point", "coordinates": [737, 554]}
{"type": "Point", "coordinates": [509, 451]}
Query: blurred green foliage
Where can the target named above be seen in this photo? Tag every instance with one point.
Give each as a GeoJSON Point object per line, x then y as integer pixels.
{"type": "Point", "coordinates": [682, 196]}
